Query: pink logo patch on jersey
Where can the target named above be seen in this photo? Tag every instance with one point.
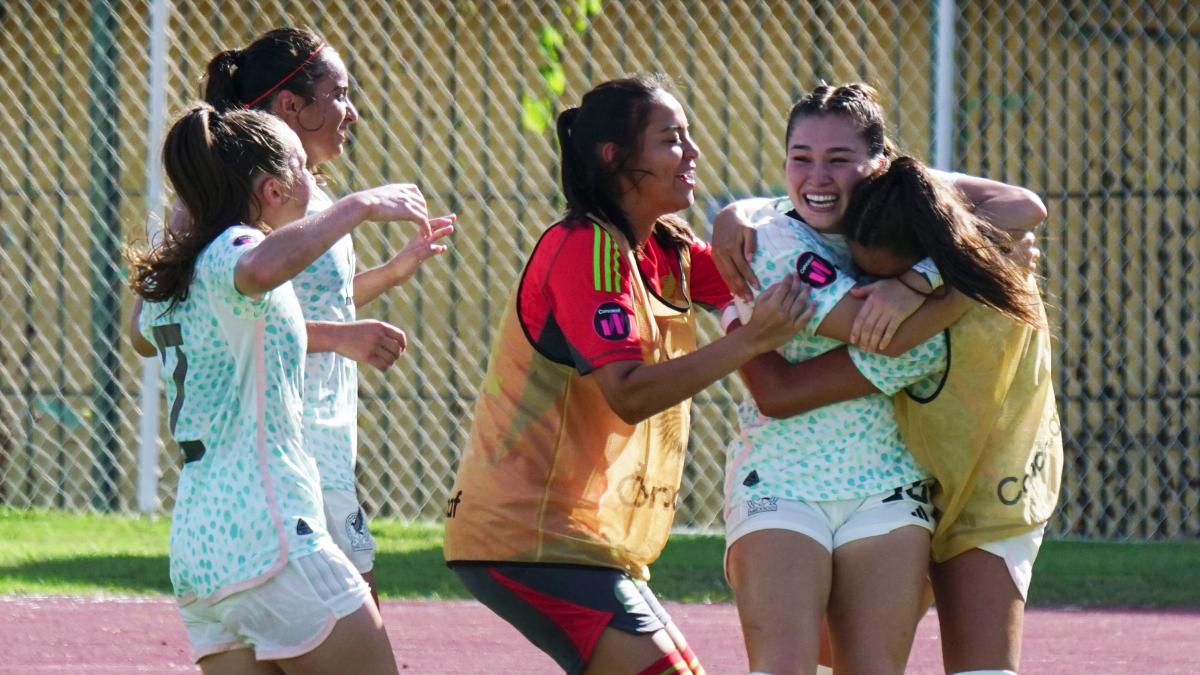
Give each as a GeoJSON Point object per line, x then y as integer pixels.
{"type": "Point", "coordinates": [815, 270]}
{"type": "Point", "coordinates": [611, 321]}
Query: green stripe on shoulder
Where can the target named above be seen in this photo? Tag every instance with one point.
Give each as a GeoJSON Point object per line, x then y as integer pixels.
{"type": "Point", "coordinates": [597, 237]}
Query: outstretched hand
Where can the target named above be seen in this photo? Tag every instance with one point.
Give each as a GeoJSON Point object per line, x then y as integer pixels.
{"type": "Point", "coordinates": [421, 248]}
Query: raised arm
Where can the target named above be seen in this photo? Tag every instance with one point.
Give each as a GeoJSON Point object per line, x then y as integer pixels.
{"type": "Point", "coordinates": [292, 247]}
{"type": "Point", "coordinates": [1009, 207]}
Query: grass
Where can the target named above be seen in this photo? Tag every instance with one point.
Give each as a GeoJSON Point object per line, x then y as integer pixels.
{"type": "Point", "coordinates": [54, 553]}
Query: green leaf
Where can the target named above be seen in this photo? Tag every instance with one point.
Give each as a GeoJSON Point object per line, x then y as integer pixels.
{"type": "Point", "coordinates": [555, 78]}
{"type": "Point", "coordinates": [536, 113]}
{"type": "Point", "coordinates": [551, 42]}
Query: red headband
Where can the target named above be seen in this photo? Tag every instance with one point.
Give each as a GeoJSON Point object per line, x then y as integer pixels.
{"type": "Point", "coordinates": [287, 77]}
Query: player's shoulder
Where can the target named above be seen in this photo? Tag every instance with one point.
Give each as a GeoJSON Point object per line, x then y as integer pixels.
{"type": "Point", "coordinates": [576, 242]}
{"type": "Point", "coordinates": [232, 242]}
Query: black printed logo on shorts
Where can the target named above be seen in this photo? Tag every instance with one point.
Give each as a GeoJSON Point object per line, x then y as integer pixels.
{"type": "Point", "coordinates": [356, 532]}
{"type": "Point", "coordinates": [815, 270]}
{"type": "Point", "coordinates": [611, 321]}
{"type": "Point", "coordinates": [761, 505]}
{"type": "Point", "coordinates": [243, 240]}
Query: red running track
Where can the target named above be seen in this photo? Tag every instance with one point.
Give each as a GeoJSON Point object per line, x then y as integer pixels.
{"type": "Point", "coordinates": [128, 635]}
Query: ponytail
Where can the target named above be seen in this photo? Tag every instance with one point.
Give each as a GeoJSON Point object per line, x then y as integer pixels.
{"type": "Point", "coordinates": [284, 58]}
{"type": "Point", "coordinates": [909, 213]}
{"type": "Point", "coordinates": [214, 161]}
{"type": "Point", "coordinates": [219, 90]}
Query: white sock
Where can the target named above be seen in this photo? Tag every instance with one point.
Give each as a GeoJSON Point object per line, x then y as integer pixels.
{"type": "Point", "coordinates": [985, 672]}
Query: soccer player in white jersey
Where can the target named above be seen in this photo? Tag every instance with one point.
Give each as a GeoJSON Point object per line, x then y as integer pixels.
{"type": "Point", "coordinates": [259, 582]}
{"type": "Point", "coordinates": [984, 425]}
{"type": "Point", "coordinates": [296, 76]}
{"type": "Point", "coordinates": [827, 513]}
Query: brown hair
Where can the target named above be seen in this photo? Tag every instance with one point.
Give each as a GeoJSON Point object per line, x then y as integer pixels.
{"type": "Point", "coordinates": [213, 161]}
{"type": "Point", "coordinates": [236, 77]}
{"type": "Point", "coordinates": [617, 112]}
{"type": "Point", "coordinates": [858, 101]}
{"type": "Point", "coordinates": [910, 213]}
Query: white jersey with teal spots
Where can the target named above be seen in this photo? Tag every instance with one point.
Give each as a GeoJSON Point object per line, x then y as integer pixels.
{"type": "Point", "coordinates": [326, 293]}
{"type": "Point", "coordinates": [249, 497]}
{"type": "Point", "coordinates": [846, 450]}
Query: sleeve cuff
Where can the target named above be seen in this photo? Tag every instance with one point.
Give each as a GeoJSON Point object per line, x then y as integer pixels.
{"type": "Point", "coordinates": [926, 268]}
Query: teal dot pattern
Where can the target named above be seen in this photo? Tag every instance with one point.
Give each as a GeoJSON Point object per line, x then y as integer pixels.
{"type": "Point", "coordinates": [237, 509]}
{"type": "Point", "coordinates": [847, 450]}
{"type": "Point", "coordinates": [326, 293]}
{"type": "Point", "coordinates": [920, 366]}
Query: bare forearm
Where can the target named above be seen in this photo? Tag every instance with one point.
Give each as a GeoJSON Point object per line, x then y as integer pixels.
{"type": "Point", "coordinates": [782, 389]}
{"type": "Point", "coordinates": [370, 284]}
{"type": "Point", "coordinates": [935, 316]}
{"type": "Point", "coordinates": [321, 336]}
{"type": "Point", "coordinates": [637, 391]}
{"type": "Point", "coordinates": [293, 247]}
{"type": "Point", "coordinates": [1008, 207]}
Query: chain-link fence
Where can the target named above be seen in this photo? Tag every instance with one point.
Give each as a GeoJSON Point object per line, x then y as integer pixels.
{"type": "Point", "coordinates": [1093, 105]}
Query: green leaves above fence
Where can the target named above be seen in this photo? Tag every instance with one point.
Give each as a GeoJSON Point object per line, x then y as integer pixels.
{"type": "Point", "coordinates": [537, 111]}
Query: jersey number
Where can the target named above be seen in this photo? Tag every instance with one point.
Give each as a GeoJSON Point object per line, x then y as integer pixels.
{"type": "Point", "coordinates": [171, 335]}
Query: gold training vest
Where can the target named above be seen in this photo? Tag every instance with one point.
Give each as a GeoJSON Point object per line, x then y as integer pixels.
{"type": "Point", "coordinates": [551, 474]}
{"type": "Point", "coordinates": [990, 435]}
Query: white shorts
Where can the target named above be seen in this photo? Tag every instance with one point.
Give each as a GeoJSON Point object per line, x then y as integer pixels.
{"type": "Point", "coordinates": [347, 525]}
{"type": "Point", "coordinates": [288, 615]}
{"type": "Point", "coordinates": [834, 523]}
{"type": "Point", "coordinates": [1018, 553]}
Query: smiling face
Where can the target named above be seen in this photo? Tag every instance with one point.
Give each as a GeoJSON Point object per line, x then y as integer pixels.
{"type": "Point", "coordinates": [663, 180]}
{"type": "Point", "coordinates": [827, 157]}
{"type": "Point", "coordinates": [324, 122]}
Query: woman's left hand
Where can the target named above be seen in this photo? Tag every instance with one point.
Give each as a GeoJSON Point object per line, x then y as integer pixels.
{"type": "Point", "coordinates": [1026, 253]}
{"type": "Point", "coordinates": [888, 303]}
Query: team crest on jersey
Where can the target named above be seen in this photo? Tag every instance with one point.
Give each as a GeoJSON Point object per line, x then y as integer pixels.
{"type": "Point", "coordinates": [302, 528]}
{"type": "Point", "coordinates": [356, 532]}
{"type": "Point", "coordinates": [761, 505]}
{"type": "Point", "coordinates": [815, 270]}
{"type": "Point", "coordinates": [611, 321]}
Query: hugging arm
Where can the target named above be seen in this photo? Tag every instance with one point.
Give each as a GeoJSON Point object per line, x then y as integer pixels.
{"type": "Point", "coordinates": [934, 316]}
{"type": "Point", "coordinates": [1011, 208]}
{"type": "Point", "coordinates": [782, 389]}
